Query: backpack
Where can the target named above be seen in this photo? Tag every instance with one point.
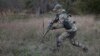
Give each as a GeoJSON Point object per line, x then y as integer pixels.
{"type": "Point", "coordinates": [67, 25]}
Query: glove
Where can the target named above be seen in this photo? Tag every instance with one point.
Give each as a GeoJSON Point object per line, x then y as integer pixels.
{"type": "Point", "coordinates": [50, 25]}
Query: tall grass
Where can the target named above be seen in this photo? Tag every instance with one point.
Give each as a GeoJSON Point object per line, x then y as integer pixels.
{"type": "Point", "coordinates": [23, 39]}
{"type": "Point", "coordinates": [13, 17]}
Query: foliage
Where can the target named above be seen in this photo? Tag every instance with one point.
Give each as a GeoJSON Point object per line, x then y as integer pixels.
{"type": "Point", "coordinates": [88, 6]}
{"type": "Point", "coordinates": [78, 6]}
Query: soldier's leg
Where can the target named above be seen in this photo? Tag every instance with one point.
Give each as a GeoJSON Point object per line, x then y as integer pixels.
{"type": "Point", "coordinates": [76, 43]}
{"type": "Point", "coordinates": [61, 38]}
{"type": "Point", "coordinates": [59, 41]}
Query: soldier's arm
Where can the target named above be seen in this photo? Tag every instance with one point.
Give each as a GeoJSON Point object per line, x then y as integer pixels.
{"type": "Point", "coordinates": [53, 21]}
{"type": "Point", "coordinates": [56, 19]}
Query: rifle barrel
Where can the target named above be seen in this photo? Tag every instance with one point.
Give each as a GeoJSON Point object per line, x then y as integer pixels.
{"type": "Point", "coordinates": [45, 33]}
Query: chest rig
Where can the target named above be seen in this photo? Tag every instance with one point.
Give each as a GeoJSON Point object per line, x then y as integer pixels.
{"type": "Point", "coordinates": [66, 23]}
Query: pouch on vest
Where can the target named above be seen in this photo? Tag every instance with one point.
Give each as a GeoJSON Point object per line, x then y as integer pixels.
{"type": "Point", "coordinates": [67, 24]}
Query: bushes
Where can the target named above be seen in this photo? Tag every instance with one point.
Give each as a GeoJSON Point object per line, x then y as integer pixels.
{"type": "Point", "coordinates": [82, 6]}
{"type": "Point", "coordinates": [77, 6]}
{"type": "Point", "coordinates": [88, 6]}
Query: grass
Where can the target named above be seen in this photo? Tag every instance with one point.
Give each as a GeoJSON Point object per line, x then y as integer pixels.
{"type": "Point", "coordinates": [13, 17]}
{"type": "Point", "coordinates": [23, 38]}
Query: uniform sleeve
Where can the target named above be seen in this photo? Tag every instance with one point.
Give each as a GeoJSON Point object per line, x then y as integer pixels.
{"type": "Point", "coordinates": [56, 19]}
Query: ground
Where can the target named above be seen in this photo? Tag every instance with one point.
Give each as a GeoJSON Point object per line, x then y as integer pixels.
{"type": "Point", "coordinates": [22, 37]}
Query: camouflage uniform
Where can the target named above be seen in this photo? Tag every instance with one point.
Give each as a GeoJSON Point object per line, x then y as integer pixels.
{"type": "Point", "coordinates": [63, 21]}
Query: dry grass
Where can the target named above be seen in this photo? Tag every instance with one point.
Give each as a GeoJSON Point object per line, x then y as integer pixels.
{"type": "Point", "coordinates": [22, 37]}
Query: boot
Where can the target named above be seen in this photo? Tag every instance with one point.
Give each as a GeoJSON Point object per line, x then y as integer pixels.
{"type": "Point", "coordinates": [85, 49]}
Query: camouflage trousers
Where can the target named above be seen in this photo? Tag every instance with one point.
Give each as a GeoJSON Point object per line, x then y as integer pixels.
{"type": "Point", "coordinates": [70, 35]}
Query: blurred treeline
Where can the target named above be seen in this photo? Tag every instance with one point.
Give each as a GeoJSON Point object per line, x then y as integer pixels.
{"type": "Point", "coordinates": [41, 6]}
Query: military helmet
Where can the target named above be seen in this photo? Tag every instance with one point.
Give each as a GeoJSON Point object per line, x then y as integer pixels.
{"type": "Point", "coordinates": [57, 7]}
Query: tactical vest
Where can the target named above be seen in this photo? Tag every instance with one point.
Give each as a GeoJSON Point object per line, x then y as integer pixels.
{"type": "Point", "coordinates": [66, 24]}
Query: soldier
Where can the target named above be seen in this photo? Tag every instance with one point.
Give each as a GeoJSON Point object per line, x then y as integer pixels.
{"type": "Point", "coordinates": [63, 21]}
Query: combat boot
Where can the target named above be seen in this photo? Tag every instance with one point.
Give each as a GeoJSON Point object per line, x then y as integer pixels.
{"type": "Point", "coordinates": [85, 49]}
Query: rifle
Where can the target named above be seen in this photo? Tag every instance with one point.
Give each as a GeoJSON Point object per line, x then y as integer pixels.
{"type": "Point", "coordinates": [48, 29]}
{"type": "Point", "coordinates": [46, 33]}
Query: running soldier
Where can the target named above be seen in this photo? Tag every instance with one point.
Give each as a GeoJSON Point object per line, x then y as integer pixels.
{"type": "Point", "coordinates": [62, 21]}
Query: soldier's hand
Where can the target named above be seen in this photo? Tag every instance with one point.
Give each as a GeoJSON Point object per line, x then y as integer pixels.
{"type": "Point", "coordinates": [50, 25]}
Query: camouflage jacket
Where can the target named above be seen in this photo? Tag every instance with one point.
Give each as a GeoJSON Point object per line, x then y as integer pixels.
{"type": "Point", "coordinates": [63, 18]}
